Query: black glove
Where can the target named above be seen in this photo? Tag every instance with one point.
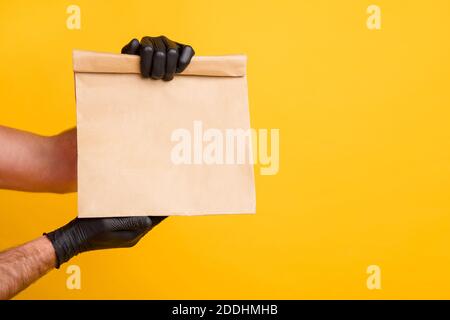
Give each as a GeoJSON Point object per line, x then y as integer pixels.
{"type": "Point", "coordinates": [161, 57]}
{"type": "Point", "coordinates": [88, 234]}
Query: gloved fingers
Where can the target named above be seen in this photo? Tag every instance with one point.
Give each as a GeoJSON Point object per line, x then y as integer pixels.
{"type": "Point", "coordinates": [127, 224]}
{"type": "Point", "coordinates": [172, 58]}
{"type": "Point", "coordinates": [159, 58]}
{"type": "Point", "coordinates": [129, 238]}
{"type": "Point", "coordinates": [156, 220]}
{"type": "Point", "coordinates": [126, 239]}
{"type": "Point", "coordinates": [115, 239]}
{"type": "Point", "coordinates": [132, 47]}
{"type": "Point", "coordinates": [185, 56]}
{"type": "Point", "coordinates": [146, 52]}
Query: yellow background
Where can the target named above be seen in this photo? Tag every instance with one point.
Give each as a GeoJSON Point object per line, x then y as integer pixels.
{"type": "Point", "coordinates": [365, 147]}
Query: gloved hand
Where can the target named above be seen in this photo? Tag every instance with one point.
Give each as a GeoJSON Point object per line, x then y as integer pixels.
{"type": "Point", "coordinates": [88, 234]}
{"type": "Point", "coordinates": [161, 57]}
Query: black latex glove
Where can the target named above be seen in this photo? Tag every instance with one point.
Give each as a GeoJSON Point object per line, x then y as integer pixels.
{"type": "Point", "coordinates": [88, 234]}
{"type": "Point", "coordinates": [161, 57]}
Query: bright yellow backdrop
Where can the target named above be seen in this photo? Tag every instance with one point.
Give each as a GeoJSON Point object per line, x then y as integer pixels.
{"type": "Point", "coordinates": [365, 147]}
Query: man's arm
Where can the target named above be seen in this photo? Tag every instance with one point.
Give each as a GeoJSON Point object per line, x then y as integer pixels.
{"type": "Point", "coordinates": [30, 162]}
{"type": "Point", "coordinates": [21, 266]}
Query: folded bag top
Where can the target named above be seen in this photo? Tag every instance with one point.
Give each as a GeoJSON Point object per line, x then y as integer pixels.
{"type": "Point", "coordinates": [213, 66]}
{"type": "Point", "coordinates": [152, 147]}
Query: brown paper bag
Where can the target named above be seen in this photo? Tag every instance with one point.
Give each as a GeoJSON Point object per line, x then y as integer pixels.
{"type": "Point", "coordinates": [133, 138]}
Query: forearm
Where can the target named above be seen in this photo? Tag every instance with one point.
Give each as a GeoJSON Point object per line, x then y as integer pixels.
{"type": "Point", "coordinates": [21, 266]}
{"type": "Point", "coordinates": [30, 162]}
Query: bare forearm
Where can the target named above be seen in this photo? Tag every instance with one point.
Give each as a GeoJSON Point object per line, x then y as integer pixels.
{"type": "Point", "coordinates": [21, 266]}
{"type": "Point", "coordinates": [30, 162]}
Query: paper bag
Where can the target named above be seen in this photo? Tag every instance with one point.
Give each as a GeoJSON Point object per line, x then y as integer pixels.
{"type": "Point", "coordinates": [149, 147]}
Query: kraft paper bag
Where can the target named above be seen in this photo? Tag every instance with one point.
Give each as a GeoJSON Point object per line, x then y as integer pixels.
{"type": "Point", "coordinates": [150, 147]}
